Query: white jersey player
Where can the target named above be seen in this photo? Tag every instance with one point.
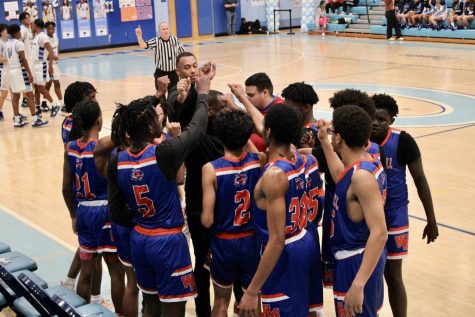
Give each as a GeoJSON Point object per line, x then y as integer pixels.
{"type": "Point", "coordinates": [66, 10]}
{"type": "Point", "coordinates": [53, 39]}
{"type": "Point", "coordinates": [3, 67]}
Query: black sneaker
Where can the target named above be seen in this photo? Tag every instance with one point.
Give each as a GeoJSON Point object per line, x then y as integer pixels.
{"type": "Point", "coordinates": [19, 124]}
{"type": "Point", "coordinates": [1, 116]}
{"type": "Point", "coordinates": [24, 103]}
{"type": "Point", "coordinates": [63, 108]}
{"type": "Point", "coordinates": [39, 123]}
{"type": "Point", "coordinates": [44, 106]}
{"type": "Point", "coordinates": [54, 110]}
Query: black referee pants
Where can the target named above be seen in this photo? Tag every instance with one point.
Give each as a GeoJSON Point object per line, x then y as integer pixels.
{"type": "Point", "coordinates": [173, 76]}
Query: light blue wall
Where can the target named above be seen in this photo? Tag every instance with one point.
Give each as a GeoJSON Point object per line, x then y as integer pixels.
{"type": "Point", "coordinates": [252, 13]}
{"type": "Point", "coordinates": [161, 12]}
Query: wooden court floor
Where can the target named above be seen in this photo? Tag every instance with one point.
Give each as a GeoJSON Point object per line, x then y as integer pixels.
{"type": "Point", "coordinates": [440, 277]}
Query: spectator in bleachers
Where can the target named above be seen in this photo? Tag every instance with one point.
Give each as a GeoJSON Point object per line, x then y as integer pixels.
{"type": "Point", "coordinates": [405, 7]}
{"type": "Point", "coordinates": [333, 5]}
{"type": "Point", "coordinates": [455, 13]}
{"type": "Point", "coordinates": [321, 18]}
{"type": "Point", "coordinates": [426, 13]}
{"type": "Point", "coordinates": [468, 14]}
{"type": "Point", "coordinates": [392, 22]}
{"type": "Point", "coordinates": [416, 10]}
{"type": "Point", "coordinates": [348, 4]}
{"type": "Point", "coordinates": [440, 14]}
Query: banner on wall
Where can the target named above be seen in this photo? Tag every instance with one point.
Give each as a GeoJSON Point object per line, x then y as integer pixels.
{"type": "Point", "coordinates": [12, 11]}
{"type": "Point", "coordinates": [256, 3]}
{"type": "Point", "coordinates": [83, 18]}
{"type": "Point", "coordinates": [67, 24]}
{"type": "Point", "coordinates": [100, 17]}
{"type": "Point", "coordinates": [31, 7]}
{"type": "Point", "coordinates": [48, 12]}
{"type": "Point", "coordinates": [133, 10]}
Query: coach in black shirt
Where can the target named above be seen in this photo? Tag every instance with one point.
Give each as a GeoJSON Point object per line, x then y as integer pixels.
{"type": "Point", "coordinates": [167, 48]}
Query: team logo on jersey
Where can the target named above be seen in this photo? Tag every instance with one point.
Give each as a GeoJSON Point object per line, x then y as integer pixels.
{"type": "Point", "coordinates": [299, 183]}
{"type": "Point", "coordinates": [78, 163]}
{"type": "Point", "coordinates": [240, 180]}
{"type": "Point", "coordinates": [136, 175]}
{"type": "Point", "coordinates": [309, 182]}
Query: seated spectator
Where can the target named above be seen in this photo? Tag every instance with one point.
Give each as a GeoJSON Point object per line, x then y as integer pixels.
{"type": "Point", "coordinates": [416, 10]}
{"type": "Point", "coordinates": [468, 14]}
{"type": "Point", "coordinates": [404, 7]}
{"type": "Point", "coordinates": [426, 13]}
{"type": "Point", "coordinates": [333, 5]}
{"type": "Point", "coordinates": [455, 13]}
{"type": "Point", "coordinates": [248, 27]}
{"type": "Point", "coordinates": [321, 18]}
{"type": "Point", "coordinates": [348, 4]}
{"type": "Point", "coordinates": [439, 15]}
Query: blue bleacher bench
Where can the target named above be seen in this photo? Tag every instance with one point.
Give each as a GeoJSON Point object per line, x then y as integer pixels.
{"type": "Point", "coordinates": [40, 282]}
{"type": "Point", "coordinates": [16, 261]}
{"type": "Point", "coordinates": [4, 248]}
{"type": "Point", "coordinates": [333, 17]}
{"type": "Point", "coordinates": [457, 34]}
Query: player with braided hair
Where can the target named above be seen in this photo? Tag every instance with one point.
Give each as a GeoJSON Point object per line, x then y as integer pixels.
{"type": "Point", "coordinates": [85, 194]}
{"type": "Point", "coordinates": [75, 92]}
{"type": "Point", "coordinates": [144, 177]}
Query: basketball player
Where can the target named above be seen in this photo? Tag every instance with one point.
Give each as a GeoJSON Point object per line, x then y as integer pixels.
{"type": "Point", "coordinates": [90, 218]}
{"type": "Point", "coordinates": [27, 38]}
{"type": "Point", "coordinates": [66, 10]}
{"type": "Point", "coordinates": [228, 186]}
{"type": "Point", "coordinates": [287, 250]}
{"type": "Point", "coordinates": [48, 12]}
{"type": "Point", "coordinates": [339, 99]}
{"type": "Point", "coordinates": [19, 78]}
{"type": "Point", "coordinates": [74, 93]}
{"type": "Point", "coordinates": [358, 228]}
{"type": "Point", "coordinates": [83, 10]}
{"type": "Point", "coordinates": [401, 150]}
{"type": "Point", "coordinates": [143, 176]}
{"type": "Point", "coordinates": [42, 56]}
{"type": "Point", "coordinates": [53, 39]}
{"type": "Point", "coordinates": [3, 67]}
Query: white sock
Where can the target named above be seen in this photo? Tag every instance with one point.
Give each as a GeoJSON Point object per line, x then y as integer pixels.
{"type": "Point", "coordinates": [69, 283]}
{"type": "Point", "coordinates": [16, 119]}
{"type": "Point", "coordinates": [96, 299]}
{"type": "Point", "coordinates": [34, 118]}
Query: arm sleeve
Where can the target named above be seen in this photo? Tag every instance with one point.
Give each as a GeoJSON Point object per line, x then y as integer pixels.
{"type": "Point", "coordinates": [118, 210]}
{"type": "Point", "coordinates": [407, 149]}
{"type": "Point", "coordinates": [171, 154]}
{"type": "Point", "coordinates": [182, 112]}
{"type": "Point", "coordinates": [181, 49]}
{"type": "Point", "coordinates": [152, 43]}
{"type": "Point", "coordinates": [322, 161]}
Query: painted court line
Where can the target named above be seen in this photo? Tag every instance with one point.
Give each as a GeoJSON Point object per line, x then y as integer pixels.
{"type": "Point", "coordinates": [445, 226]}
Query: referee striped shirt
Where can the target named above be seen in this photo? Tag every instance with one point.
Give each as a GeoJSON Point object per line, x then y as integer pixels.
{"type": "Point", "coordinates": [166, 52]}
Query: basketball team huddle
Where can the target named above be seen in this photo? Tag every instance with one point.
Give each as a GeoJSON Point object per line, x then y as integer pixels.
{"type": "Point", "coordinates": [263, 197]}
{"type": "Point", "coordinates": [28, 66]}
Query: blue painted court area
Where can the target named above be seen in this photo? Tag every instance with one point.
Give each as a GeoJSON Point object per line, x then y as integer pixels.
{"type": "Point", "coordinates": [52, 258]}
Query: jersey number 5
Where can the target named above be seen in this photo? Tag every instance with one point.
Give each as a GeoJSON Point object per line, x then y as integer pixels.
{"type": "Point", "coordinates": [140, 200]}
{"type": "Point", "coordinates": [241, 214]}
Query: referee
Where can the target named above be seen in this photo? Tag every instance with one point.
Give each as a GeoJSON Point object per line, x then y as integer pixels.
{"type": "Point", "coordinates": [167, 48]}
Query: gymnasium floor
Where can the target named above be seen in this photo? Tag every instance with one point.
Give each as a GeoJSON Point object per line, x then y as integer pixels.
{"type": "Point", "coordinates": [433, 83]}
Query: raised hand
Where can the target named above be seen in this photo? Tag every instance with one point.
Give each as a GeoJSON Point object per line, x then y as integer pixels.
{"type": "Point", "coordinates": [163, 83]}
{"type": "Point", "coordinates": [174, 129]}
{"type": "Point", "coordinates": [238, 91]}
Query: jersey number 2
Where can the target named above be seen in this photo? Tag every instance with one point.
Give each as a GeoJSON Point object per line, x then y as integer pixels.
{"type": "Point", "coordinates": [140, 200]}
{"type": "Point", "coordinates": [241, 214]}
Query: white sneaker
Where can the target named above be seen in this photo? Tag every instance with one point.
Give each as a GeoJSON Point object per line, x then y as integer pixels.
{"type": "Point", "coordinates": [39, 123]}
{"type": "Point", "coordinates": [54, 110]}
{"type": "Point", "coordinates": [391, 39]}
{"type": "Point", "coordinates": [323, 34]}
{"type": "Point", "coordinates": [401, 39]}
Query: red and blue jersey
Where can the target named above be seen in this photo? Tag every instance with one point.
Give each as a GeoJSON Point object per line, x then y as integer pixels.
{"type": "Point", "coordinates": [311, 126]}
{"type": "Point", "coordinates": [345, 234]}
{"type": "Point", "coordinates": [163, 137]}
{"type": "Point", "coordinates": [294, 200]}
{"type": "Point", "coordinates": [397, 186]}
{"type": "Point", "coordinates": [315, 191]}
{"type": "Point", "coordinates": [66, 129]}
{"type": "Point", "coordinates": [235, 182]}
{"type": "Point", "coordinates": [151, 197]}
{"type": "Point", "coordinates": [88, 184]}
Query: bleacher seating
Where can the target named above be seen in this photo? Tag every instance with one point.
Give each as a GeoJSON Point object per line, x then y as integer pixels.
{"type": "Point", "coordinates": [16, 261]}
{"type": "Point", "coordinates": [4, 248]}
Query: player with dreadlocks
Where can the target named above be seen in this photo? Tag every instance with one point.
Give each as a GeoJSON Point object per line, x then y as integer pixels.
{"type": "Point", "coordinates": [144, 177]}
{"type": "Point", "coordinates": [85, 194]}
{"type": "Point", "coordinates": [75, 92]}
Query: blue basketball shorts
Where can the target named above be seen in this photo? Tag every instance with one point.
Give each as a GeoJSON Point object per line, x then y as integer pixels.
{"type": "Point", "coordinates": [121, 237]}
{"type": "Point", "coordinates": [292, 287]}
{"type": "Point", "coordinates": [397, 221]}
{"type": "Point", "coordinates": [327, 255]}
{"type": "Point", "coordinates": [232, 259]}
{"type": "Point", "coordinates": [162, 263]}
{"type": "Point", "coordinates": [345, 272]}
{"type": "Point", "coordinates": [94, 229]}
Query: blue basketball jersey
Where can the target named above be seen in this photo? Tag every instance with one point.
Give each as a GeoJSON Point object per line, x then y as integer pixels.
{"type": "Point", "coordinates": [397, 186]}
{"type": "Point", "coordinates": [373, 149]}
{"type": "Point", "coordinates": [314, 188]}
{"type": "Point", "coordinates": [88, 184]}
{"type": "Point", "coordinates": [66, 129]}
{"type": "Point", "coordinates": [235, 182]}
{"type": "Point", "coordinates": [151, 197]}
{"type": "Point", "coordinates": [165, 136]}
{"type": "Point", "coordinates": [311, 126]}
{"type": "Point", "coordinates": [294, 199]}
{"type": "Point", "coordinates": [346, 234]}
